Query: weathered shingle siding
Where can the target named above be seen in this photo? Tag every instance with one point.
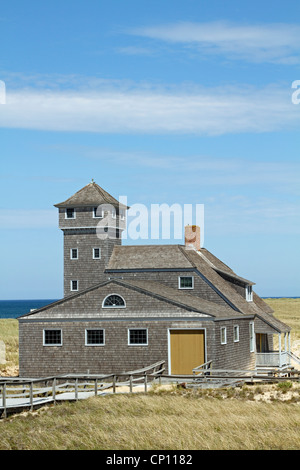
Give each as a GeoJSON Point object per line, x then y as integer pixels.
{"type": "Point", "coordinates": [74, 357]}
{"type": "Point", "coordinates": [116, 355]}
{"type": "Point", "coordinates": [233, 355]}
{"type": "Point", "coordinates": [85, 269]}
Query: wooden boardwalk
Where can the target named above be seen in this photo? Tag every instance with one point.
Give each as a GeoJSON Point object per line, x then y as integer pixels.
{"type": "Point", "coordinates": [17, 394]}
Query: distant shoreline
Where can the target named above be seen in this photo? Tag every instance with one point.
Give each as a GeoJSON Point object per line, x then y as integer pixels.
{"type": "Point", "coordinates": [16, 308]}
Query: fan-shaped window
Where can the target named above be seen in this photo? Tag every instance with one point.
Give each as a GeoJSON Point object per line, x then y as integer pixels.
{"type": "Point", "coordinates": [114, 300]}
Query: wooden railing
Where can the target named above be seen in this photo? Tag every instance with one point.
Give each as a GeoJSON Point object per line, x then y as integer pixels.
{"type": "Point", "coordinates": [273, 359]}
{"type": "Point", "coordinates": [18, 393]}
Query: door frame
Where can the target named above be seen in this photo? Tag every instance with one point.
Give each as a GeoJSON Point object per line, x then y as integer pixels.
{"type": "Point", "coordinates": [182, 329]}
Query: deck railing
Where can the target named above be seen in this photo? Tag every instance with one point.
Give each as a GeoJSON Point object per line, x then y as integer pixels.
{"type": "Point", "coordinates": [273, 359]}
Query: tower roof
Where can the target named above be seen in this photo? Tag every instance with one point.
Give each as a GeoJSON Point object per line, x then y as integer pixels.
{"type": "Point", "coordinates": [91, 195]}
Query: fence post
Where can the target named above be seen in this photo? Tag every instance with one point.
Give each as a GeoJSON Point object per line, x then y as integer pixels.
{"type": "Point", "coordinates": [130, 384]}
{"type": "Point", "coordinates": [54, 389]}
{"type": "Point", "coordinates": [76, 389]}
{"type": "Point", "coordinates": [31, 395]}
{"type": "Point", "coordinates": [96, 387]}
{"type": "Point", "coordinates": [114, 384]}
{"type": "Point", "coordinates": [145, 382]}
{"type": "Point", "coordinates": [4, 400]}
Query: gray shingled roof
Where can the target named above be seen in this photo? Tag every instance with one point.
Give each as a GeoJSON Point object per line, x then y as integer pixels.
{"type": "Point", "coordinates": [180, 299]}
{"type": "Point", "coordinates": [178, 257]}
{"type": "Point", "coordinates": [91, 195]}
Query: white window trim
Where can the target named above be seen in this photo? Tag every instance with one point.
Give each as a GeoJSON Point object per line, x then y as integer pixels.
{"type": "Point", "coordinates": [249, 295]}
{"type": "Point", "coordinates": [236, 328]}
{"type": "Point", "coordinates": [94, 344]}
{"type": "Point", "coordinates": [114, 213]}
{"type": "Point", "coordinates": [74, 213]}
{"type": "Point", "coordinates": [96, 248]}
{"type": "Point", "coordinates": [71, 250]}
{"type": "Point", "coordinates": [185, 288]}
{"type": "Point", "coordinates": [95, 212]}
{"type": "Point", "coordinates": [116, 306]}
{"type": "Point", "coordinates": [54, 344]}
{"type": "Point", "coordinates": [223, 328]}
{"type": "Point", "coordinates": [122, 214]}
{"type": "Point", "coordinates": [252, 336]}
{"type": "Point", "coordinates": [71, 285]}
{"type": "Point", "coordinates": [137, 344]}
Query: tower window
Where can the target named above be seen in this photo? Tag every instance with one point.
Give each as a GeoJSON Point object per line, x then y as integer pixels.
{"type": "Point", "coordinates": [96, 253]}
{"type": "Point", "coordinates": [74, 253]}
{"type": "Point", "coordinates": [70, 213]}
{"type": "Point", "coordinates": [113, 300]}
{"type": "Point", "coordinates": [98, 212]}
{"type": "Point", "coordinates": [74, 285]}
{"type": "Point", "coordinates": [114, 213]}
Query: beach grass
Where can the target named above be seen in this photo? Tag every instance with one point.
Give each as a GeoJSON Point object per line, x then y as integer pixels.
{"type": "Point", "coordinates": [172, 419]}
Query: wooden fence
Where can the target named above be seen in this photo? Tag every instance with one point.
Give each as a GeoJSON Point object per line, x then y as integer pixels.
{"type": "Point", "coordinates": [17, 394]}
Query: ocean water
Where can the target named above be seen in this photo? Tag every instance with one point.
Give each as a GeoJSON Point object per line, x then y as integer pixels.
{"type": "Point", "coordinates": [16, 308]}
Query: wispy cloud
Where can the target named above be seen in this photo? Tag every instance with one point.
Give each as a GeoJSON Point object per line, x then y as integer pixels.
{"type": "Point", "coordinates": [275, 43]}
{"type": "Point", "coordinates": [122, 107]}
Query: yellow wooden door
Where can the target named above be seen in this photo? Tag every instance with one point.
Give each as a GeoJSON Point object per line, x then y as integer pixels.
{"type": "Point", "coordinates": [187, 350]}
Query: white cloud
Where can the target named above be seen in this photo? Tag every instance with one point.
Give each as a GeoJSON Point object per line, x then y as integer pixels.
{"type": "Point", "coordinates": [275, 43]}
{"type": "Point", "coordinates": [138, 108]}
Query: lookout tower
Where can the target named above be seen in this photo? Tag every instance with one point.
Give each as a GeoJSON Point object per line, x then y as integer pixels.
{"type": "Point", "coordinates": [92, 222]}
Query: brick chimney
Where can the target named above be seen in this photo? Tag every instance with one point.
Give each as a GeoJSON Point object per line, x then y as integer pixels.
{"type": "Point", "coordinates": [192, 237]}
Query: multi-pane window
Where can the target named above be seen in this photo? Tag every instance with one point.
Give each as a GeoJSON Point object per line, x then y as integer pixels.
{"type": "Point", "coordinates": [186, 282]}
{"type": "Point", "coordinates": [52, 338]}
{"type": "Point", "coordinates": [236, 333]}
{"type": "Point", "coordinates": [74, 285]}
{"type": "Point", "coordinates": [223, 335]}
{"type": "Point", "coordinates": [94, 337]}
{"type": "Point", "coordinates": [96, 253]}
{"type": "Point", "coordinates": [74, 253]}
{"type": "Point", "coordinates": [70, 213]}
{"type": "Point", "coordinates": [137, 336]}
{"type": "Point", "coordinates": [114, 301]}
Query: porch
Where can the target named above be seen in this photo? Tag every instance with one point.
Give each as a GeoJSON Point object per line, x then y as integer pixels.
{"type": "Point", "coordinates": [266, 356]}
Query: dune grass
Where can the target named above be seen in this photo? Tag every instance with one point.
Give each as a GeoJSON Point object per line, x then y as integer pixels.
{"type": "Point", "coordinates": [161, 420]}
{"type": "Point", "coordinates": [165, 421]}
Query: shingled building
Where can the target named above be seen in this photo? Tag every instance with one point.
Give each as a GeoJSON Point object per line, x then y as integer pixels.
{"type": "Point", "coordinates": [126, 307]}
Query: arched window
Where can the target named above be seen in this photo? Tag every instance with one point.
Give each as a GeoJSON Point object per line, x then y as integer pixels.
{"type": "Point", "coordinates": [113, 300]}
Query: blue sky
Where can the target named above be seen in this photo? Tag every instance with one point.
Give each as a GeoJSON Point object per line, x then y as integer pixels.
{"type": "Point", "coordinates": [165, 102]}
